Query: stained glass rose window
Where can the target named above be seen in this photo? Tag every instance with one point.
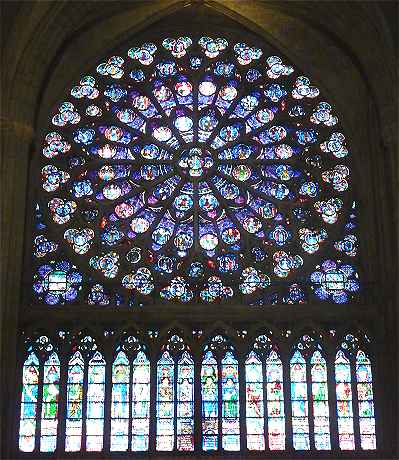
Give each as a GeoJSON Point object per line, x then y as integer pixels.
{"type": "Point", "coordinates": [195, 169]}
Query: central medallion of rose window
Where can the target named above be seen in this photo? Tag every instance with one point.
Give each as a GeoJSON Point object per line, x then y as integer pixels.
{"type": "Point", "coordinates": [195, 162]}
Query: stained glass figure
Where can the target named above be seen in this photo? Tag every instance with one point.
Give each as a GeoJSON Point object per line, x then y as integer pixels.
{"type": "Point", "coordinates": [343, 385]}
{"type": "Point", "coordinates": [210, 402]}
{"type": "Point", "coordinates": [321, 419]}
{"type": "Point", "coordinates": [254, 403]}
{"type": "Point", "coordinates": [49, 416]}
{"type": "Point", "coordinates": [275, 402]}
{"type": "Point", "coordinates": [95, 403]}
{"type": "Point", "coordinates": [185, 403]}
{"type": "Point", "coordinates": [299, 402]}
{"type": "Point", "coordinates": [140, 402]}
{"type": "Point", "coordinates": [74, 417]}
{"type": "Point", "coordinates": [120, 403]}
{"type": "Point", "coordinates": [165, 402]}
{"type": "Point", "coordinates": [190, 152]}
{"type": "Point", "coordinates": [365, 397]}
{"type": "Point", "coordinates": [29, 400]}
{"type": "Point", "coordinates": [230, 403]}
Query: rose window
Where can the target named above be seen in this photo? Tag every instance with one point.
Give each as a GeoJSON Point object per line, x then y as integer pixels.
{"type": "Point", "coordinates": [195, 170]}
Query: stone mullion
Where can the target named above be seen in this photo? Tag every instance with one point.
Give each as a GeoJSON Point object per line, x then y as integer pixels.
{"type": "Point", "coordinates": [107, 401]}
{"type": "Point", "coordinates": [62, 404]}
{"type": "Point", "coordinates": [153, 400]}
{"type": "Point", "coordinates": [130, 402]}
{"type": "Point", "coordinates": [309, 382]}
{"type": "Point", "coordinates": [197, 402]}
{"type": "Point", "coordinates": [39, 404]}
{"type": "Point", "coordinates": [332, 400]}
{"type": "Point", "coordinates": [220, 405]}
{"type": "Point", "coordinates": [242, 402]}
{"type": "Point", "coordinates": [265, 404]}
{"type": "Point", "coordinates": [355, 402]}
{"type": "Point", "coordinates": [289, 446]}
{"type": "Point", "coordinates": [84, 403]}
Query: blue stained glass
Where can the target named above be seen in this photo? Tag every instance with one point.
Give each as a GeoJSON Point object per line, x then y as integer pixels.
{"type": "Point", "coordinates": [210, 398]}
{"type": "Point", "coordinates": [320, 402]}
{"type": "Point", "coordinates": [299, 402]}
{"type": "Point", "coordinates": [364, 380]}
{"type": "Point", "coordinates": [186, 186]}
{"type": "Point", "coordinates": [230, 403]}
{"type": "Point", "coordinates": [120, 403]}
{"type": "Point", "coordinates": [165, 403]}
{"type": "Point", "coordinates": [343, 386]}
{"type": "Point", "coordinates": [185, 403]}
{"type": "Point", "coordinates": [30, 382]}
{"type": "Point", "coordinates": [140, 402]}
{"type": "Point", "coordinates": [254, 403]}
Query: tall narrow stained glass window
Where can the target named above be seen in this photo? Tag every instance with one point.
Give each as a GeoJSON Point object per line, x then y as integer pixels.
{"type": "Point", "coordinates": [364, 380]}
{"type": "Point", "coordinates": [321, 417]}
{"type": "Point", "coordinates": [120, 403]}
{"type": "Point", "coordinates": [230, 403]}
{"type": "Point", "coordinates": [30, 388]}
{"type": "Point", "coordinates": [165, 402]}
{"type": "Point", "coordinates": [141, 402]}
{"type": "Point", "coordinates": [254, 402]}
{"type": "Point", "coordinates": [175, 397]}
{"type": "Point", "coordinates": [49, 416]}
{"type": "Point", "coordinates": [344, 393]}
{"type": "Point", "coordinates": [299, 402]}
{"type": "Point", "coordinates": [210, 402]}
{"type": "Point", "coordinates": [73, 438]}
{"type": "Point", "coordinates": [275, 401]}
{"type": "Point", "coordinates": [95, 403]}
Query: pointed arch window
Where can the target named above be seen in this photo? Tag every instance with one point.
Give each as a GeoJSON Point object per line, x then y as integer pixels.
{"type": "Point", "coordinates": [130, 409]}
{"type": "Point", "coordinates": [85, 398]}
{"type": "Point", "coordinates": [29, 399]}
{"type": "Point", "coordinates": [309, 397]}
{"type": "Point", "coordinates": [175, 397]}
{"type": "Point", "coordinates": [220, 397]}
{"type": "Point", "coordinates": [355, 398]}
{"type": "Point", "coordinates": [49, 417]}
{"type": "Point", "coordinates": [264, 396]}
{"type": "Point", "coordinates": [38, 426]}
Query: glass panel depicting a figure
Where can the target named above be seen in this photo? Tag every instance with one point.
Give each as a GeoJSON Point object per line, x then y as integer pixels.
{"type": "Point", "coordinates": [210, 402]}
{"type": "Point", "coordinates": [230, 403]}
{"type": "Point", "coordinates": [120, 403]}
{"type": "Point", "coordinates": [299, 402]}
{"type": "Point", "coordinates": [95, 403]}
{"type": "Point", "coordinates": [30, 388]}
{"type": "Point", "coordinates": [165, 403]}
{"type": "Point", "coordinates": [364, 379]}
{"type": "Point", "coordinates": [73, 436]}
{"type": "Point", "coordinates": [254, 403]}
{"type": "Point", "coordinates": [343, 385]}
{"type": "Point", "coordinates": [185, 403]}
{"type": "Point", "coordinates": [321, 418]}
{"type": "Point", "coordinates": [51, 389]}
{"type": "Point", "coordinates": [275, 402]}
{"type": "Point", "coordinates": [140, 402]}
